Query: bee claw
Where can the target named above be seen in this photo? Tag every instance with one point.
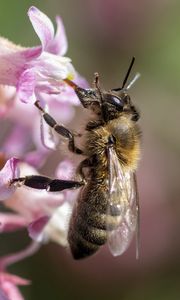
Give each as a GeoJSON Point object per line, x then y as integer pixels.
{"type": "Point", "coordinates": [17, 182]}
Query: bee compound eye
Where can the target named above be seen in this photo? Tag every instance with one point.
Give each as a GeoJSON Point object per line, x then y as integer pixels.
{"type": "Point", "coordinates": [117, 102]}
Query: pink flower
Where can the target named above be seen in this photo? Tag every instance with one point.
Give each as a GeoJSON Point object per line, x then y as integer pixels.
{"type": "Point", "coordinates": [36, 73]}
{"type": "Point", "coordinates": [30, 74]}
{"type": "Point", "coordinates": [37, 69]}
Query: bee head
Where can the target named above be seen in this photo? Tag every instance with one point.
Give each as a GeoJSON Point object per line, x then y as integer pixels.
{"type": "Point", "coordinates": [115, 104]}
{"type": "Point", "coordinates": [109, 104]}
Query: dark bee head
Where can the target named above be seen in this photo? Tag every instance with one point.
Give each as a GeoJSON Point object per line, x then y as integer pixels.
{"type": "Point", "coordinates": [108, 104]}
{"type": "Point", "coordinates": [116, 103]}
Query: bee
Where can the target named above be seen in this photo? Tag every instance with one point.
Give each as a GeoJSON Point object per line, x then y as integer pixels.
{"type": "Point", "coordinates": [107, 208]}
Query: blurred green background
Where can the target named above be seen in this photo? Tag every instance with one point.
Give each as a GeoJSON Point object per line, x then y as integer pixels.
{"type": "Point", "coordinates": [103, 36]}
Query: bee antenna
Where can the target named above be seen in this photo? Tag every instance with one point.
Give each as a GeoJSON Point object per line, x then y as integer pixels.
{"type": "Point", "coordinates": [127, 75]}
{"type": "Point", "coordinates": [97, 85]}
{"type": "Point", "coordinates": [136, 77]}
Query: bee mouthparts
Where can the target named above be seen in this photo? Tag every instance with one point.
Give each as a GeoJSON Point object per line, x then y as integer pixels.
{"type": "Point", "coordinates": [71, 83]}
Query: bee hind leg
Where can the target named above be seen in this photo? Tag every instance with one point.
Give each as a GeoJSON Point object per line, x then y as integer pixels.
{"type": "Point", "coordinates": [46, 183]}
{"type": "Point", "coordinates": [60, 129]}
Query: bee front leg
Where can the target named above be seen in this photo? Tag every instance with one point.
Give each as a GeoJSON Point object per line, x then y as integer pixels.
{"type": "Point", "coordinates": [46, 183]}
{"type": "Point", "coordinates": [60, 129]}
{"type": "Point", "coordinates": [86, 163]}
{"type": "Point", "coordinates": [94, 125]}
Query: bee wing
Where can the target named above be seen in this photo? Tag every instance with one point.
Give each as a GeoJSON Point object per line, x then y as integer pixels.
{"type": "Point", "coordinates": [123, 208]}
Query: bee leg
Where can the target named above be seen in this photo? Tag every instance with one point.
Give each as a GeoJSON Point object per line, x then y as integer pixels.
{"type": "Point", "coordinates": [60, 129]}
{"type": "Point", "coordinates": [86, 163]}
{"type": "Point", "coordinates": [94, 124]}
{"type": "Point", "coordinates": [96, 81]}
{"type": "Point", "coordinates": [45, 183]}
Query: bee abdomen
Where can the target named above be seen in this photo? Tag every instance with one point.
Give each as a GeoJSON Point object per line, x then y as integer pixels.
{"type": "Point", "coordinates": [91, 233]}
{"type": "Point", "coordinates": [90, 222]}
{"type": "Point", "coordinates": [84, 240]}
{"type": "Point", "coordinates": [80, 247]}
{"type": "Point", "coordinates": [87, 234]}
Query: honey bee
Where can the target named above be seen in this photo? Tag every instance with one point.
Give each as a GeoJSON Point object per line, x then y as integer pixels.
{"type": "Point", "coordinates": [107, 208]}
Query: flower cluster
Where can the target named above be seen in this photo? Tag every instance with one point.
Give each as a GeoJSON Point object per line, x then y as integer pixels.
{"type": "Point", "coordinates": [27, 75]}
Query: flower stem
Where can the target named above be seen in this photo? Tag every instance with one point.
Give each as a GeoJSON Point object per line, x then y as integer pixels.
{"type": "Point", "coordinates": [18, 256]}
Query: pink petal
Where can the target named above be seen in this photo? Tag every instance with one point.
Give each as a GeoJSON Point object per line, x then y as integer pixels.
{"type": "Point", "coordinates": [9, 172]}
{"type": "Point", "coordinates": [42, 26]}
{"type": "Point", "coordinates": [18, 114]}
{"type": "Point", "coordinates": [36, 158]}
{"type": "Point", "coordinates": [11, 222]}
{"type": "Point", "coordinates": [16, 280]}
{"type": "Point", "coordinates": [59, 44]}
{"type": "Point", "coordinates": [2, 295]}
{"type": "Point", "coordinates": [67, 110]}
{"type": "Point", "coordinates": [13, 59]}
{"type": "Point", "coordinates": [81, 81]}
{"type": "Point", "coordinates": [10, 292]}
{"type": "Point", "coordinates": [35, 228]}
{"type": "Point", "coordinates": [11, 62]}
{"type": "Point", "coordinates": [7, 97]}
{"type": "Point", "coordinates": [8, 289]}
{"type": "Point", "coordinates": [31, 53]}
{"type": "Point", "coordinates": [26, 85]}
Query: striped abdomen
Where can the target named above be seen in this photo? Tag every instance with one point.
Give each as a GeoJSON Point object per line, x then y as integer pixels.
{"type": "Point", "coordinates": [87, 230]}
